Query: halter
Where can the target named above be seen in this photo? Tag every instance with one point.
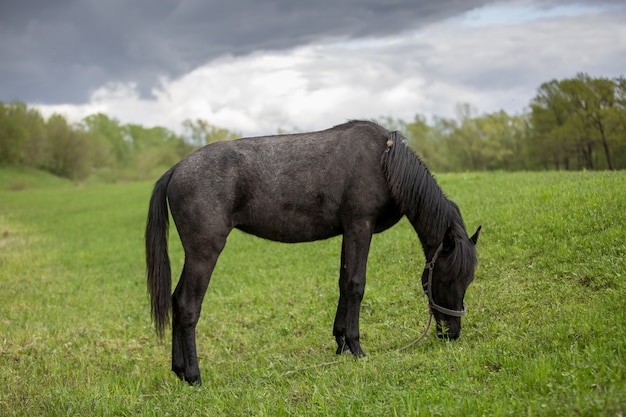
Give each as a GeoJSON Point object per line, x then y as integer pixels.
{"type": "Point", "coordinates": [428, 289]}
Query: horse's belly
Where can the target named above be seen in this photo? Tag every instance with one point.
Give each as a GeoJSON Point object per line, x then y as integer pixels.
{"type": "Point", "coordinates": [290, 227]}
{"type": "Point", "coordinates": [291, 234]}
{"type": "Point", "coordinates": [312, 216]}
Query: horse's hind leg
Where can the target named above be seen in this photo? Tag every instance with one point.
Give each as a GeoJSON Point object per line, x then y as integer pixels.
{"type": "Point", "coordinates": [186, 306]}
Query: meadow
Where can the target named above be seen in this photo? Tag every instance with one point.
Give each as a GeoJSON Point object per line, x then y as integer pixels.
{"type": "Point", "coordinates": [545, 332]}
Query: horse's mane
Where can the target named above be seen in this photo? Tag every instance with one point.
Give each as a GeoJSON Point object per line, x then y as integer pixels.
{"type": "Point", "coordinates": [420, 198]}
{"type": "Point", "coordinates": [413, 187]}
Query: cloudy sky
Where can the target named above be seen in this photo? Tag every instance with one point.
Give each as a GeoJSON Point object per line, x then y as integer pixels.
{"type": "Point", "coordinates": [256, 66]}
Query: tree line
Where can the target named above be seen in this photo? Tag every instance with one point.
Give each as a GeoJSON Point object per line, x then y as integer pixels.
{"type": "Point", "coordinates": [98, 145]}
{"type": "Point", "coordinates": [572, 124]}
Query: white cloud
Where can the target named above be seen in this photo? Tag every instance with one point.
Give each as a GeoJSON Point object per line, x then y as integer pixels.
{"type": "Point", "coordinates": [313, 87]}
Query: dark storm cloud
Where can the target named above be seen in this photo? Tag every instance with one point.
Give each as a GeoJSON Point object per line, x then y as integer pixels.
{"type": "Point", "coordinates": [61, 51]}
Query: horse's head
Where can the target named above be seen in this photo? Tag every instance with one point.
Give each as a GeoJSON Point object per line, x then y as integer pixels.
{"type": "Point", "coordinates": [446, 278]}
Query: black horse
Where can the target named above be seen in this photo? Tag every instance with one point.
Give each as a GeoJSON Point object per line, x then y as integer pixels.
{"type": "Point", "coordinates": [354, 179]}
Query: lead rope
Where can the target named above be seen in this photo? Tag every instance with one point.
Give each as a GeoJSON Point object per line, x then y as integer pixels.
{"type": "Point", "coordinates": [419, 339]}
{"type": "Point", "coordinates": [430, 266]}
{"type": "Point", "coordinates": [400, 349]}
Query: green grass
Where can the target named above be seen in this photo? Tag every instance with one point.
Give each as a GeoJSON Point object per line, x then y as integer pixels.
{"type": "Point", "coordinates": [21, 178]}
{"type": "Point", "coordinates": [545, 333]}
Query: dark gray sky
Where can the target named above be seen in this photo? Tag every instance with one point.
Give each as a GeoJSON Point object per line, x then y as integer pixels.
{"type": "Point", "coordinates": [158, 62]}
{"type": "Point", "coordinates": [60, 51]}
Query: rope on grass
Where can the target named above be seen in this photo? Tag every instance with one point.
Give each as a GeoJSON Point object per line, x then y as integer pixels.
{"type": "Point", "coordinates": [322, 365]}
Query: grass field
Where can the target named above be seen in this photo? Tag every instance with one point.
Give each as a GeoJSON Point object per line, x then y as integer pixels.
{"type": "Point", "coordinates": [545, 332]}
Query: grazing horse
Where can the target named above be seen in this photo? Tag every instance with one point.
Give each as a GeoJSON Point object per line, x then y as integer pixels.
{"type": "Point", "coordinates": [354, 180]}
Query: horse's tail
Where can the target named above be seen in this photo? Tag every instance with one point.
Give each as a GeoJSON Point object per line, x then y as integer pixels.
{"type": "Point", "coordinates": [157, 259]}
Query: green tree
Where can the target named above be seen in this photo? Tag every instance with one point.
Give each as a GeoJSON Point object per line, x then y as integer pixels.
{"type": "Point", "coordinates": [445, 157]}
{"type": "Point", "coordinates": [22, 135]}
{"type": "Point", "coordinates": [550, 111]}
{"type": "Point", "coordinates": [199, 132]}
{"type": "Point", "coordinates": [419, 134]}
{"type": "Point", "coordinates": [574, 117]}
{"type": "Point", "coordinates": [71, 150]}
{"type": "Point", "coordinates": [617, 118]}
{"type": "Point", "coordinates": [594, 101]}
{"type": "Point", "coordinates": [109, 131]}
{"type": "Point", "coordinates": [35, 146]}
{"type": "Point", "coordinates": [501, 141]}
{"type": "Point", "coordinates": [156, 148]}
{"type": "Point", "coordinates": [13, 134]}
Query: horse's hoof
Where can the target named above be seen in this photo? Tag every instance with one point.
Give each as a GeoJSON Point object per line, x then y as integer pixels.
{"type": "Point", "coordinates": [194, 382]}
{"type": "Point", "coordinates": [359, 354]}
{"type": "Point", "coordinates": [343, 348]}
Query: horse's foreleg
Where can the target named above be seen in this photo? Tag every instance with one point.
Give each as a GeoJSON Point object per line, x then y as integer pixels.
{"type": "Point", "coordinates": [356, 246]}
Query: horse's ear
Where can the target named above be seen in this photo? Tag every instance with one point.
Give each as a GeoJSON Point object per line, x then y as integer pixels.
{"type": "Point", "coordinates": [474, 237]}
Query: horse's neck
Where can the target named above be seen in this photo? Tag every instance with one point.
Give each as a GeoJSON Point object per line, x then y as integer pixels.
{"type": "Point", "coordinates": [430, 223]}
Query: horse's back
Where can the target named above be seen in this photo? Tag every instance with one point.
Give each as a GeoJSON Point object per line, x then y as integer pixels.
{"type": "Point", "coordinates": [289, 188]}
